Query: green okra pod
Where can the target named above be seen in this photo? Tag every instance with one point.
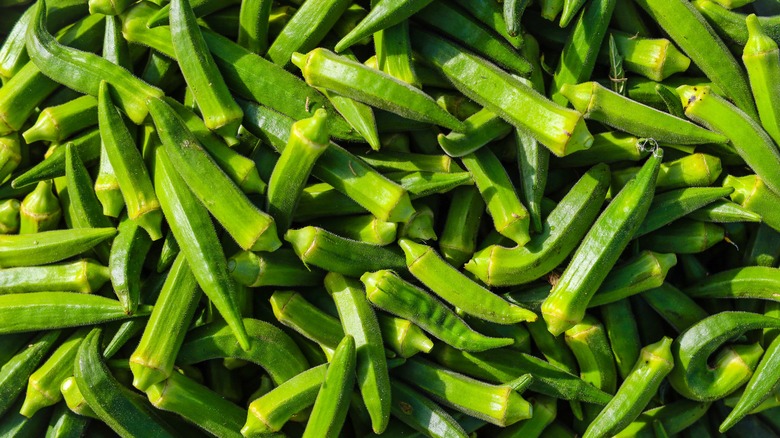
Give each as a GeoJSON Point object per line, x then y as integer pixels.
{"type": "Point", "coordinates": [9, 216]}
{"type": "Point", "coordinates": [422, 184]}
{"type": "Point", "coordinates": [675, 418]}
{"type": "Point", "coordinates": [588, 341]}
{"type": "Point", "coordinates": [10, 154]}
{"type": "Point", "coordinates": [294, 311]}
{"type": "Point", "coordinates": [359, 321]}
{"type": "Point", "coordinates": [646, 270]}
{"type": "Point", "coordinates": [748, 282]}
{"type": "Point", "coordinates": [320, 201]}
{"type": "Point", "coordinates": [65, 423]}
{"type": "Point", "coordinates": [672, 205]}
{"type": "Point", "coordinates": [428, 267]}
{"type": "Point", "coordinates": [755, 195]}
{"type": "Point", "coordinates": [479, 129]}
{"type": "Point", "coordinates": [129, 249]}
{"type": "Point", "coordinates": [59, 122]}
{"type": "Point", "coordinates": [410, 162]}
{"type": "Point", "coordinates": [608, 237]}
{"type": "Point", "coordinates": [365, 228]}
{"type": "Point", "coordinates": [623, 335]}
{"type": "Point", "coordinates": [75, 400]}
{"type": "Point", "coordinates": [654, 364]}
{"type": "Point", "coordinates": [394, 53]}
{"type": "Point", "coordinates": [337, 254]}
{"type": "Point", "coordinates": [722, 211]}
{"type": "Point", "coordinates": [732, 25]}
{"type": "Point", "coordinates": [85, 276]}
{"type": "Point", "coordinates": [403, 336]}
{"type": "Point", "coordinates": [254, 16]}
{"type": "Point", "coordinates": [87, 146]}
{"type": "Point", "coordinates": [49, 246]}
{"type": "Point", "coordinates": [332, 403]}
{"type": "Point", "coordinates": [459, 238]}
{"type": "Point", "coordinates": [279, 268]}
{"type": "Point", "coordinates": [389, 292]}
{"type": "Point", "coordinates": [684, 236]}
{"type": "Point", "coordinates": [761, 57]}
{"type": "Point", "coordinates": [563, 132]}
{"type": "Point", "coordinates": [422, 414]}
{"type": "Point", "coordinates": [533, 162]}
{"type": "Point", "coordinates": [40, 210]}
{"type": "Point", "coordinates": [694, 170]}
{"type": "Point", "coordinates": [383, 14]}
{"type": "Point", "coordinates": [18, 369]}
{"type": "Point", "coordinates": [675, 307]}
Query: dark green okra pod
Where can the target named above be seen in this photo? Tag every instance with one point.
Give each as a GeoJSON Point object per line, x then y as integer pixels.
{"type": "Point", "coordinates": [761, 57]}
{"type": "Point", "coordinates": [588, 341]}
{"type": "Point", "coordinates": [332, 403]}
{"type": "Point", "coordinates": [384, 13]}
{"type": "Point", "coordinates": [129, 249]}
{"type": "Point", "coordinates": [18, 369]}
{"type": "Point", "coordinates": [458, 240]}
{"type": "Point", "coordinates": [254, 16]}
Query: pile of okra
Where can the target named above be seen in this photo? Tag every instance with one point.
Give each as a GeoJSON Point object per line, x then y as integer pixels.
{"type": "Point", "coordinates": [342, 218]}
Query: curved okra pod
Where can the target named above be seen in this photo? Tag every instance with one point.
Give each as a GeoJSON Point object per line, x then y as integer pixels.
{"type": "Point", "coordinates": [121, 410]}
{"type": "Point", "coordinates": [501, 405]}
{"type": "Point", "coordinates": [459, 237]}
{"type": "Point", "coordinates": [588, 341]}
{"type": "Point", "coordinates": [758, 282]}
{"type": "Point", "coordinates": [336, 254]}
{"type": "Point", "coordinates": [332, 403]}
{"type": "Point", "coordinates": [193, 229]}
{"type": "Point", "coordinates": [43, 387]}
{"type": "Point", "coordinates": [18, 369]}
{"type": "Point", "coordinates": [441, 278]}
{"type": "Point", "coordinates": [359, 321]}
{"type": "Point", "coordinates": [684, 236]}
{"type": "Point", "coordinates": [646, 270]}
{"type": "Point", "coordinates": [279, 268]}
{"type": "Point", "coordinates": [694, 170]}
{"type": "Point", "coordinates": [754, 194]}
{"type": "Point", "coordinates": [271, 348]}
{"type": "Point", "coordinates": [250, 227]}
{"type": "Point", "coordinates": [57, 123]}
{"type": "Point", "coordinates": [722, 211]}
{"type": "Point", "coordinates": [40, 210]}
{"type": "Point", "coordinates": [602, 246]}
{"type": "Point", "coordinates": [220, 111]}
{"type": "Point", "coordinates": [694, 375]}
{"type": "Point", "coordinates": [582, 47]}
{"type": "Point", "coordinates": [670, 206]}
{"type": "Point", "coordinates": [322, 68]}
{"type": "Point", "coordinates": [49, 246]}
{"type": "Point", "coordinates": [596, 102]}
{"type": "Point", "coordinates": [479, 129]}
{"type": "Point", "coordinates": [294, 311]}
{"type": "Point", "coordinates": [84, 71]}
{"type": "Point", "coordinates": [198, 404]}
{"type": "Point", "coordinates": [65, 423]}
{"type": "Point", "coordinates": [564, 131]}
{"type": "Point", "coordinates": [129, 250]}
{"type": "Point", "coordinates": [84, 205]}
{"type": "Point", "coordinates": [309, 139]}
{"type": "Point", "coordinates": [384, 13]}
{"type": "Point", "coordinates": [422, 414]}
{"type": "Point", "coordinates": [654, 363]}
{"type": "Point", "coordinates": [510, 217]}
{"type": "Point", "coordinates": [127, 162]}
{"type": "Point", "coordinates": [761, 57]}
{"type": "Point", "coordinates": [392, 294]}
{"type": "Point", "coordinates": [152, 361]}
{"type": "Point", "coordinates": [270, 412]}
{"type": "Point", "coordinates": [9, 216]}
{"type": "Point", "coordinates": [85, 276]}
{"type": "Point", "coordinates": [561, 231]}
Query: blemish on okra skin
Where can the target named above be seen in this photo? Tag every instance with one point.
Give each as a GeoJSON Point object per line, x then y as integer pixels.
{"type": "Point", "coordinates": [406, 408]}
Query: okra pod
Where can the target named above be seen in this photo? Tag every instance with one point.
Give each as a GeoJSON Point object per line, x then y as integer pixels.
{"type": "Point", "coordinates": [85, 276]}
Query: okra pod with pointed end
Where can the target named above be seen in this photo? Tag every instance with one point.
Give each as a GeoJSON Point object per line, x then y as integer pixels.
{"type": "Point", "coordinates": [384, 13]}
{"type": "Point", "coordinates": [40, 210]}
{"type": "Point", "coordinates": [18, 369]}
{"type": "Point", "coordinates": [459, 238]}
{"type": "Point", "coordinates": [332, 403]}
{"type": "Point", "coordinates": [479, 129]}
{"type": "Point", "coordinates": [84, 276]}
{"type": "Point", "coordinates": [748, 282]}
{"type": "Point", "coordinates": [59, 122]}
{"type": "Point", "coordinates": [390, 293]}
{"type": "Point", "coordinates": [279, 268]}
{"type": "Point", "coordinates": [403, 336]}
{"type": "Point", "coordinates": [623, 335]}
{"type": "Point", "coordinates": [761, 57]}
{"type": "Point", "coordinates": [754, 194]}
{"type": "Point", "coordinates": [422, 414]}
{"type": "Point", "coordinates": [423, 262]}
{"type": "Point", "coordinates": [50, 246]}
{"type": "Point", "coordinates": [254, 16]}
{"type": "Point", "coordinates": [684, 236]}
{"type": "Point", "coordinates": [646, 270]}
{"type": "Point", "coordinates": [129, 249]}
{"type": "Point", "coordinates": [365, 228]}
{"type": "Point", "coordinates": [675, 204]}
{"type": "Point", "coordinates": [10, 154]}
{"type": "Point", "coordinates": [723, 211]}
{"type": "Point", "coordinates": [107, 187]}
{"type": "Point", "coordinates": [87, 146]}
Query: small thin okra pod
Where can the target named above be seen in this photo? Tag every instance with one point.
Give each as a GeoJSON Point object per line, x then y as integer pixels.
{"type": "Point", "coordinates": [9, 216]}
{"type": "Point", "coordinates": [623, 335]}
{"type": "Point", "coordinates": [410, 162]}
{"type": "Point", "coordinates": [43, 387]}
{"type": "Point", "coordinates": [533, 162]}
{"type": "Point", "coordinates": [253, 28]}
{"type": "Point", "coordinates": [516, 332]}
{"type": "Point", "coordinates": [83, 71]}
{"type": "Point", "coordinates": [554, 349]}
{"type": "Point", "coordinates": [270, 412]}
{"type": "Point", "coordinates": [459, 26]}
{"type": "Point", "coordinates": [754, 194]}
{"type": "Point", "coordinates": [51, 310]}
{"type": "Point", "coordinates": [654, 364]}
{"type": "Point", "coordinates": [198, 404]}
{"type": "Point", "coordinates": [170, 249]}
{"type": "Point", "coordinates": [18, 369]}
{"type": "Point", "coordinates": [13, 54]}
{"type": "Point", "coordinates": [676, 308]}
{"type": "Point", "coordinates": [358, 115]}
{"type": "Point", "coordinates": [337, 167]}
{"type": "Point", "coordinates": [403, 337]}
{"type": "Point", "coordinates": [129, 250]}
{"type": "Point", "coordinates": [87, 146]}
{"type": "Point", "coordinates": [696, 376]}
{"type": "Point", "coordinates": [562, 230]}
{"type": "Point", "coordinates": [564, 131]}
{"type": "Point", "coordinates": [684, 236]}
{"type": "Point", "coordinates": [322, 68]}
{"type": "Point", "coordinates": [220, 112]}
{"type": "Point", "coordinates": [751, 142]}
{"type": "Point", "coordinates": [294, 311]}
{"type": "Point", "coordinates": [675, 417]}
{"type": "Point", "coordinates": [601, 246]}
{"type": "Point", "coordinates": [107, 187]}
{"type": "Point", "coordinates": [280, 268]}
{"type": "Point", "coordinates": [152, 361]}
{"type": "Point", "coordinates": [332, 404]}
{"type": "Point", "coordinates": [365, 228]}
{"type": "Point", "coordinates": [193, 229]}
{"type": "Point", "coordinates": [670, 206]}
{"type": "Point", "coordinates": [390, 293]}
{"type": "Point", "coordinates": [321, 202]}
{"type": "Point", "coordinates": [250, 227]}
{"type": "Point", "coordinates": [359, 321]}
{"type": "Point", "coordinates": [383, 14]}
{"type": "Point", "coordinates": [569, 11]}
{"type": "Point", "coordinates": [422, 414]}
{"type": "Point", "coordinates": [84, 205]}
{"type": "Point", "coordinates": [588, 341]}
{"type": "Point", "coordinates": [646, 270]}
{"type": "Point", "coordinates": [309, 139]}
{"type": "Point", "coordinates": [126, 413]}
{"type": "Point", "coordinates": [65, 423]}
{"type": "Point", "coordinates": [272, 349]}
{"type": "Point", "coordinates": [761, 57]}
{"type": "Point", "coordinates": [459, 237]}
{"type": "Point", "coordinates": [688, 29]}
{"type": "Point", "coordinates": [57, 123]}
{"type": "Point", "coordinates": [596, 102]}
{"type": "Point", "coordinates": [10, 154]}
{"type": "Point", "coordinates": [759, 282]}
{"type": "Point", "coordinates": [49, 246]}
{"type": "Point", "coordinates": [84, 276]}
{"type": "Point", "coordinates": [579, 54]}
{"type": "Point", "coordinates": [510, 217]}
{"type": "Point", "coordinates": [337, 254]}
{"type": "Point", "coordinates": [723, 211]}
{"type": "Point", "coordinates": [732, 25]}
{"type": "Point", "coordinates": [40, 210]}
{"type": "Point", "coordinates": [306, 29]}
{"type": "Point", "coordinates": [127, 162]}
{"type": "Point", "coordinates": [501, 405]}
{"type": "Point", "coordinates": [435, 273]}
{"type": "Point", "coordinates": [480, 129]}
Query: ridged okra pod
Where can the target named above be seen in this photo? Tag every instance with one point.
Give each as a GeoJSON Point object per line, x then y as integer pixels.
{"type": "Point", "coordinates": [253, 17]}
{"type": "Point", "coordinates": [670, 206]}
{"type": "Point", "coordinates": [403, 336]}
{"type": "Point", "coordinates": [40, 210]}
{"type": "Point", "coordinates": [754, 194]}
{"type": "Point", "coordinates": [57, 123]}
{"type": "Point", "coordinates": [459, 238]}
{"type": "Point", "coordinates": [761, 57]}
{"type": "Point", "coordinates": [365, 228]}
{"type": "Point", "coordinates": [20, 366]}
{"type": "Point", "coordinates": [9, 216]}
{"type": "Point", "coordinates": [480, 129]}
{"type": "Point", "coordinates": [332, 403]}
{"type": "Point", "coordinates": [422, 414]}
{"type": "Point", "coordinates": [10, 154]}
{"type": "Point", "coordinates": [49, 246]}
{"type": "Point", "coordinates": [684, 236]}
{"type": "Point", "coordinates": [294, 311]}
{"type": "Point", "coordinates": [279, 268]}
{"type": "Point", "coordinates": [384, 13]}
{"type": "Point", "coordinates": [84, 276]}
{"type": "Point", "coordinates": [588, 341]}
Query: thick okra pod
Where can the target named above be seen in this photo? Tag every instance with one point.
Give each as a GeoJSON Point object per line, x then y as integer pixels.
{"type": "Point", "coordinates": [85, 276]}
{"type": "Point", "coordinates": [59, 122]}
{"type": "Point", "coordinates": [722, 211]}
{"type": "Point", "coordinates": [50, 246]}
{"type": "Point", "coordinates": [423, 262]}
{"type": "Point", "coordinates": [9, 216]}
{"type": "Point", "coordinates": [85, 208]}
{"type": "Point", "coordinates": [459, 238]}
{"type": "Point", "coordinates": [253, 30]}
{"type": "Point", "coordinates": [365, 228]}
{"type": "Point", "coordinates": [87, 146]}
{"type": "Point", "coordinates": [754, 194]}
{"type": "Point", "coordinates": [761, 57]}
{"type": "Point", "coordinates": [128, 252]}
{"type": "Point", "coordinates": [279, 268]}
{"type": "Point", "coordinates": [588, 341]}
{"type": "Point", "coordinates": [332, 403]}
{"type": "Point", "coordinates": [422, 414]}
{"type": "Point", "coordinates": [759, 282]}
{"type": "Point", "coordinates": [684, 236]}
{"type": "Point", "coordinates": [676, 308]}
{"type": "Point", "coordinates": [480, 129]}
{"type": "Point", "coordinates": [674, 417]}
{"type": "Point", "coordinates": [670, 206]}
{"type": "Point", "coordinates": [18, 369]}
{"type": "Point", "coordinates": [603, 244]}
{"type": "Point", "coordinates": [403, 336]}
{"type": "Point", "coordinates": [10, 154]}
{"type": "Point", "coordinates": [646, 270]}
{"type": "Point", "coordinates": [40, 210]}
{"type": "Point", "coordinates": [292, 309]}
{"type": "Point", "coordinates": [623, 335]}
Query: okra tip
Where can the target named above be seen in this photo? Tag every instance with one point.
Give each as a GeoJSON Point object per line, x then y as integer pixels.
{"type": "Point", "coordinates": [145, 376]}
{"type": "Point", "coordinates": [302, 240]}
{"type": "Point", "coordinates": [34, 400]}
{"type": "Point", "coordinates": [298, 59]}
{"type": "Point", "coordinates": [758, 41]}
{"type": "Point", "coordinates": [244, 267]}
{"type": "Point", "coordinates": [314, 128]}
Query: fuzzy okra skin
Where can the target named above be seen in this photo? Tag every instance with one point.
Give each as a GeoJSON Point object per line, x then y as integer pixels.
{"type": "Point", "coordinates": [761, 57]}
{"type": "Point", "coordinates": [294, 311]}
{"type": "Point", "coordinates": [332, 403]}
{"type": "Point", "coordinates": [601, 247]}
{"type": "Point", "coordinates": [84, 276]}
{"type": "Point", "coordinates": [754, 194]}
{"type": "Point", "coordinates": [20, 366]}
{"type": "Point", "coordinates": [49, 246]}
{"type": "Point", "coordinates": [279, 268]}
{"type": "Point", "coordinates": [384, 14]}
